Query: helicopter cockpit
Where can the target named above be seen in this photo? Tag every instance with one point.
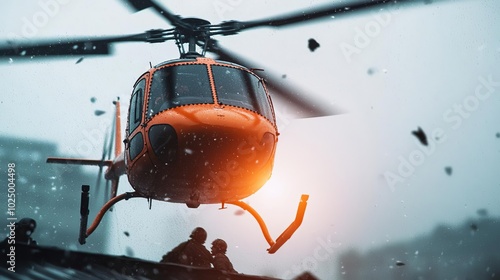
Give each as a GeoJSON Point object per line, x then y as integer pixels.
{"type": "Point", "coordinates": [179, 85]}
{"type": "Point", "coordinates": [189, 84]}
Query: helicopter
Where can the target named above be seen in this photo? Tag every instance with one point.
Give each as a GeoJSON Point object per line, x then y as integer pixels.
{"type": "Point", "coordinates": [199, 130]}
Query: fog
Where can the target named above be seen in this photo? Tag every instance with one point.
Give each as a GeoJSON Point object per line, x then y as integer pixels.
{"type": "Point", "coordinates": [371, 182]}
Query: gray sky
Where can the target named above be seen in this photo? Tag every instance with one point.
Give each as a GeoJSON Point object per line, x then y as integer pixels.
{"type": "Point", "coordinates": [370, 182]}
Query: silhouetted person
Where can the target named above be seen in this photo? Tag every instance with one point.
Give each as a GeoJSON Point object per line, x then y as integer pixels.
{"type": "Point", "coordinates": [191, 252]}
{"type": "Point", "coordinates": [220, 260]}
{"type": "Point", "coordinates": [23, 230]}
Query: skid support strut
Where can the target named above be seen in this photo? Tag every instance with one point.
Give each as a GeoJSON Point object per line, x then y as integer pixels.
{"type": "Point", "coordinates": [84, 211]}
{"type": "Point", "coordinates": [275, 245]}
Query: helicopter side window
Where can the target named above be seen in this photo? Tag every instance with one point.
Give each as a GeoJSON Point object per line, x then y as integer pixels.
{"type": "Point", "coordinates": [135, 114]}
{"type": "Point", "coordinates": [179, 85]}
{"type": "Point", "coordinates": [240, 88]}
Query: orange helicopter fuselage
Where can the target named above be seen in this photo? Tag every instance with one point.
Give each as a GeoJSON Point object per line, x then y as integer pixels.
{"type": "Point", "coordinates": [199, 131]}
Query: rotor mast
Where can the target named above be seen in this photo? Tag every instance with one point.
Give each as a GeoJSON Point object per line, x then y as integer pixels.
{"type": "Point", "coordinates": [194, 32]}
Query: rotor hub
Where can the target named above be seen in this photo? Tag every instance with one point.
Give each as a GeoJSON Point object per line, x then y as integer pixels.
{"type": "Point", "coordinates": [192, 31]}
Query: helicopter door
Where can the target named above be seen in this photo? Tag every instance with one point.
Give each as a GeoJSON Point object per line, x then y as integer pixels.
{"type": "Point", "coordinates": [136, 142]}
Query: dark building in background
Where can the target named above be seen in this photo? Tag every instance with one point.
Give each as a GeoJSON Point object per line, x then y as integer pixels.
{"type": "Point", "coordinates": [49, 193]}
{"type": "Point", "coordinates": [468, 251]}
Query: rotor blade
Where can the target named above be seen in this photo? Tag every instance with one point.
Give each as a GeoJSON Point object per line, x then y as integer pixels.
{"type": "Point", "coordinates": [174, 20]}
{"type": "Point", "coordinates": [103, 158]}
{"type": "Point", "coordinates": [107, 190]}
{"type": "Point", "coordinates": [307, 106]}
{"type": "Point", "coordinates": [338, 9]}
{"type": "Point", "coordinates": [79, 161]}
{"type": "Point", "coordinates": [78, 46]}
{"type": "Point", "coordinates": [111, 140]}
{"type": "Point", "coordinates": [98, 182]}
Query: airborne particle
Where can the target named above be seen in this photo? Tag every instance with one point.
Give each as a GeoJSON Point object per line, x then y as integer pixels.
{"type": "Point", "coordinates": [420, 134]}
{"type": "Point", "coordinates": [79, 60]}
{"type": "Point", "coordinates": [482, 212]}
{"type": "Point", "coordinates": [129, 252]}
{"type": "Point", "coordinates": [283, 76]}
{"type": "Point", "coordinates": [371, 71]}
{"type": "Point", "coordinates": [313, 45]}
{"type": "Point", "coordinates": [498, 134]}
{"type": "Point", "coordinates": [400, 263]}
{"type": "Point", "coordinates": [448, 170]}
{"type": "Point", "coordinates": [473, 227]}
{"type": "Point", "coordinates": [93, 99]}
{"type": "Point", "coordinates": [99, 112]}
{"type": "Point", "coordinates": [127, 234]}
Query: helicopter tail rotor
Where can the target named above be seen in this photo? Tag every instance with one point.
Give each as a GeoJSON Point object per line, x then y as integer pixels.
{"type": "Point", "coordinates": [116, 167]}
{"type": "Point", "coordinates": [106, 156]}
{"type": "Point", "coordinates": [114, 139]}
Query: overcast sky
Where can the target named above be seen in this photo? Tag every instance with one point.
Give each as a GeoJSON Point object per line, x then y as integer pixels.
{"type": "Point", "coordinates": [370, 181]}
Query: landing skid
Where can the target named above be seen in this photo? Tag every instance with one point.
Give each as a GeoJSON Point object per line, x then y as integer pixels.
{"type": "Point", "coordinates": [287, 233]}
{"type": "Point", "coordinates": [275, 245]}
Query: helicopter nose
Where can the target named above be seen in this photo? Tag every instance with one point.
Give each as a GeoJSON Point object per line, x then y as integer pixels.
{"type": "Point", "coordinates": [229, 143]}
{"type": "Point", "coordinates": [213, 154]}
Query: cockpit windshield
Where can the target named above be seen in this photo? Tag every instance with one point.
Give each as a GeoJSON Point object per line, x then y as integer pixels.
{"type": "Point", "coordinates": [240, 88]}
{"type": "Point", "coordinates": [179, 85]}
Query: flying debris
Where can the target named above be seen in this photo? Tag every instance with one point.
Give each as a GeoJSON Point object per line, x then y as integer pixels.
{"type": "Point", "coordinates": [79, 60]}
{"type": "Point", "coordinates": [313, 45]}
{"type": "Point", "coordinates": [284, 77]}
{"type": "Point", "coordinates": [400, 263]}
{"type": "Point", "coordinates": [420, 134]}
{"type": "Point", "coordinates": [498, 134]}
{"type": "Point", "coordinates": [448, 170]}
{"type": "Point", "coordinates": [473, 227]}
{"type": "Point", "coordinates": [99, 112]}
{"type": "Point", "coordinates": [129, 252]}
{"type": "Point", "coordinates": [127, 234]}
{"type": "Point", "coordinates": [482, 212]}
{"type": "Point", "coordinates": [93, 99]}
{"type": "Point", "coordinates": [371, 71]}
